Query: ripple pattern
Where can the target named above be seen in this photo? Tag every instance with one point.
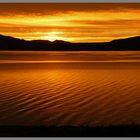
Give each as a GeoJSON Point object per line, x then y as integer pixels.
{"type": "Point", "coordinates": [80, 94]}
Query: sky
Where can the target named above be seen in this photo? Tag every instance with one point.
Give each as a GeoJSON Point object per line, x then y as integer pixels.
{"type": "Point", "coordinates": [74, 22]}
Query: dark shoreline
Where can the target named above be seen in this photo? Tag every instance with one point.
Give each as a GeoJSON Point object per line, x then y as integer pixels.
{"type": "Point", "coordinates": [70, 131]}
{"type": "Point", "coordinates": [124, 44]}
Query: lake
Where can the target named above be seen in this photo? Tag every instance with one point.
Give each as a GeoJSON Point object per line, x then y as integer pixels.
{"type": "Point", "coordinates": [69, 88]}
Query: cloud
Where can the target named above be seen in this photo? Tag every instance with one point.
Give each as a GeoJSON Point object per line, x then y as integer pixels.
{"type": "Point", "coordinates": [108, 22]}
{"type": "Point", "coordinates": [53, 8]}
{"type": "Point", "coordinates": [76, 22]}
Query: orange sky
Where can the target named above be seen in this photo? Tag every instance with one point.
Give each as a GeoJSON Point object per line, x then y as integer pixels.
{"type": "Point", "coordinates": [71, 22]}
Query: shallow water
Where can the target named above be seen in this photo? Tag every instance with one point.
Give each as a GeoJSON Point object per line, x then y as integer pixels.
{"type": "Point", "coordinates": [69, 88]}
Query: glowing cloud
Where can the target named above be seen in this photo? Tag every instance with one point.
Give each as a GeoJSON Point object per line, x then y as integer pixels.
{"type": "Point", "coordinates": [71, 22]}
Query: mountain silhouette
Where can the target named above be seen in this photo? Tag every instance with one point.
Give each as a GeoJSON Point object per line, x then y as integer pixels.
{"type": "Point", "coordinates": [11, 43]}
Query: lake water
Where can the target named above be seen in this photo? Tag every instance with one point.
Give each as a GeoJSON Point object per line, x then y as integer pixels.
{"type": "Point", "coordinates": [69, 88]}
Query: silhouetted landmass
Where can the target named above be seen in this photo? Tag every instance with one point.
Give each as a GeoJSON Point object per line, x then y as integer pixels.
{"type": "Point", "coordinates": [70, 131]}
{"type": "Point", "coordinates": [10, 43]}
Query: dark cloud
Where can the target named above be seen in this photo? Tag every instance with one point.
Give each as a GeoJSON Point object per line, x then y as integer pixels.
{"type": "Point", "coordinates": [52, 8]}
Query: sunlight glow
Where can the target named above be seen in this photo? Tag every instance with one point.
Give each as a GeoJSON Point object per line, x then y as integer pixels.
{"type": "Point", "coordinates": [88, 25]}
{"type": "Point", "coordinates": [52, 36]}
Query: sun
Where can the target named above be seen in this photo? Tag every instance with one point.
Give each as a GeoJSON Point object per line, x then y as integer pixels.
{"type": "Point", "coordinates": [52, 36]}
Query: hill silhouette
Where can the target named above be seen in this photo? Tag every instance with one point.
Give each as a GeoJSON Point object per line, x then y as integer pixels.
{"type": "Point", "coordinates": [11, 43]}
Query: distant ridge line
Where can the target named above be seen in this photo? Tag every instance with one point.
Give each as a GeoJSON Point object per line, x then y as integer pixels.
{"type": "Point", "coordinates": [11, 43]}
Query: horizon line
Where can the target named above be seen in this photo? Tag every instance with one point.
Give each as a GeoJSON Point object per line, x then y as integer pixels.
{"type": "Point", "coordinates": [69, 41]}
